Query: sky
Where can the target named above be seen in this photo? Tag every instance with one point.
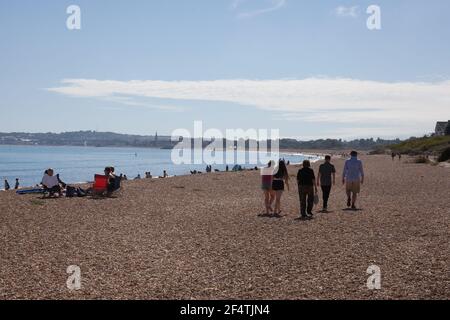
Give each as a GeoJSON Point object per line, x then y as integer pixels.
{"type": "Point", "coordinates": [312, 69]}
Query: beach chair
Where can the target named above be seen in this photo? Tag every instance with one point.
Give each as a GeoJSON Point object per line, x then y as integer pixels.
{"type": "Point", "coordinates": [101, 183]}
{"type": "Point", "coordinates": [100, 186]}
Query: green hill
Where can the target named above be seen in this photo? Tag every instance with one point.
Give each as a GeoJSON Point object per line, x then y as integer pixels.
{"type": "Point", "coordinates": [433, 145]}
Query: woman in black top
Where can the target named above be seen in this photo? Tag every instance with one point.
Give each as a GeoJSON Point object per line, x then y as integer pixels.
{"type": "Point", "coordinates": [280, 178]}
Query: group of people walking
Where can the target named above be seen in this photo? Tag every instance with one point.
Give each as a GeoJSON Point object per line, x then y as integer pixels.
{"type": "Point", "coordinates": [275, 178]}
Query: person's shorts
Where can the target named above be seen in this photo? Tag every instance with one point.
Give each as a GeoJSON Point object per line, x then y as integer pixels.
{"type": "Point", "coordinates": [353, 186]}
{"type": "Point", "coordinates": [278, 185]}
{"type": "Point", "coordinates": [266, 186]}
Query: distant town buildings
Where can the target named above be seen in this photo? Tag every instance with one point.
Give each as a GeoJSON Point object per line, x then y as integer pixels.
{"type": "Point", "coordinates": [442, 128]}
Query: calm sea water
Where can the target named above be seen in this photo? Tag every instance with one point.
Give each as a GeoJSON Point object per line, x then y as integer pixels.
{"type": "Point", "coordinates": [79, 164]}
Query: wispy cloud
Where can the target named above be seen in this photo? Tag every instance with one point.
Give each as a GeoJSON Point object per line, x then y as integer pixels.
{"type": "Point", "coordinates": [270, 5]}
{"type": "Point", "coordinates": [347, 12]}
{"type": "Point", "coordinates": [412, 106]}
{"type": "Point", "coordinates": [131, 101]}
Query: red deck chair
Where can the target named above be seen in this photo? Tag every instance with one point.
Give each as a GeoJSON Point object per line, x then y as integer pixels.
{"type": "Point", "coordinates": [100, 183]}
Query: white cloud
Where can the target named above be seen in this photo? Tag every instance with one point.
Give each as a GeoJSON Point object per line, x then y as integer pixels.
{"type": "Point", "coordinates": [272, 5]}
{"type": "Point", "coordinates": [129, 101]}
{"type": "Point", "coordinates": [352, 12]}
{"type": "Point", "coordinates": [409, 106]}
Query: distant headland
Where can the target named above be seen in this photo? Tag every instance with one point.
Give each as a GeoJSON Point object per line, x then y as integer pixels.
{"type": "Point", "coordinates": [111, 139]}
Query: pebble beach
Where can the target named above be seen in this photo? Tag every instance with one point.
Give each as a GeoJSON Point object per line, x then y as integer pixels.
{"type": "Point", "coordinates": [201, 237]}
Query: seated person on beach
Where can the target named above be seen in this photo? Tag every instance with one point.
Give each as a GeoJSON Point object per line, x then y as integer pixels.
{"type": "Point", "coordinates": [165, 175]}
{"type": "Point", "coordinates": [7, 186]}
{"type": "Point", "coordinates": [50, 182]}
{"type": "Point", "coordinates": [109, 172]}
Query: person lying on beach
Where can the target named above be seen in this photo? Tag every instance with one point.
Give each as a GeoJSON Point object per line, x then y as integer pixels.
{"type": "Point", "coordinates": [50, 182]}
{"type": "Point", "coordinates": [7, 186]}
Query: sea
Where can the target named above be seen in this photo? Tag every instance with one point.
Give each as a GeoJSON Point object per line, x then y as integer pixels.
{"type": "Point", "coordinates": [79, 164]}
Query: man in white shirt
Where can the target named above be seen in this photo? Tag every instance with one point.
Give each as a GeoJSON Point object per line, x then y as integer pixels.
{"type": "Point", "coordinates": [51, 182]}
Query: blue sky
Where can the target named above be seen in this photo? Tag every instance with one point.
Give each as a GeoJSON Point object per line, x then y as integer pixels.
{"type": "Point", "coordinates": [309, 68]}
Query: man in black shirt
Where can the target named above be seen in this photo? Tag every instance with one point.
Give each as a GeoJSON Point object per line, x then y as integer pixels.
{"type": "Point", "coordinates": [306, 181]}
{"type": "Point", "coordinates": [326, 178]}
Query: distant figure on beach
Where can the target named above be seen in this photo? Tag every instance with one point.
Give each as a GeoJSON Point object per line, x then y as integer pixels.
{"type": "Point", "coordinates": [353, 177]}
{"type": "Point", "coordinates": [125, 177]}
{"type": "Point", "coordinates": [138, 177]}
{"type": "Point", "coordinates": [399, 156]}
{"type": "Point", "coordinates": [325, 179]}
{"type": "Point", "coordinates": [51, 183]}
{"type": "Point", "coordinates": [306, 182]}
{"type": "Point", "coordinates": [266, 186]}
{"type": "Point", "coordinates": [280, 178]}
{"type": "Point", "coordinates": [165, 175]}
{"type": "Point", "coordinates": [16, 186]}
{"type": "Point", "coordinates": [393, 156]}
{"type": "Point", "coordinates": [227, 168]}
{"type": "Point", "coordinates": [7, 186]}
{"type": "Point", "coordinates": [148, 175]}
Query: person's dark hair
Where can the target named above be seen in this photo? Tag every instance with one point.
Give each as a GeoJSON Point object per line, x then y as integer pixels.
{"type": "Point", "coordinates": [354, 153]}
{"type": "Point", "coordinates": [306, 164]}
{"type": "Point", "coordinates": [282, 170]}
{"type": "Point", "coordinates": [327, 157]}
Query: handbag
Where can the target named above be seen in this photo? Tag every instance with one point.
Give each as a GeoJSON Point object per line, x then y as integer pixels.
{"type": "Point", "coordinates": [316, 199]}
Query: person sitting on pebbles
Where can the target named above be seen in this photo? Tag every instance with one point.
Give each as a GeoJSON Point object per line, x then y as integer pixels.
{"type": "Point", "coordinates": [50, 182]}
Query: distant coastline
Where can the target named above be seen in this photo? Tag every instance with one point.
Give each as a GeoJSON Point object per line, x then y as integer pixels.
{"type": "Point", "coordinates": [111, 139]}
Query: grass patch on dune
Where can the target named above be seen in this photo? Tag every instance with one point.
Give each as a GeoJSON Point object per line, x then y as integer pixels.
{"type": "Point", "coordinates": [420, 145]}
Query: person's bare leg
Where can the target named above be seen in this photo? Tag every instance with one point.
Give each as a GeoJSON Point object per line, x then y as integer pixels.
{"type": "Point", "coordinates": [267, 201]}
{"type": "Point", "coordinates": [354, 197]}
{"type": "Point", "coordinates": [272, 199]}
{"type": "Point", "coordinates": [349, 196]}
{"type": "Point", "coordinates": [278, 203]}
